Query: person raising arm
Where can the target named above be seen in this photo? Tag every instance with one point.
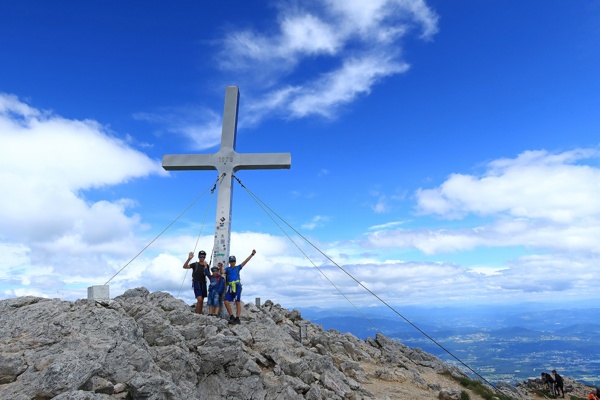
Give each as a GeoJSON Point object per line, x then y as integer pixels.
{"type": "Point", "coordinates": [234, 287]}
{"type": "Point", "coordinates": [198, 278]}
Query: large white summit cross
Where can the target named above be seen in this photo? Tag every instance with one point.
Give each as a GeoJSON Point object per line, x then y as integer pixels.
{"type": "Point", "coordinates": [226, 161]}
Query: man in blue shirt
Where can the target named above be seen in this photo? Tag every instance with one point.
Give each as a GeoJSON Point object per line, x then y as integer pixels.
{"type": "Point", "coordinates": [234, 287]}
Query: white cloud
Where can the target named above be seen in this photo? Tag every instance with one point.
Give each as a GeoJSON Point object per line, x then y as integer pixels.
{"type": "Point", "coordinates": [385, 203]}
{"type": "Point", "coordinates": [385, 20]}
{"type": "Point", "coordinates": [332, 51]}
{"type": "Point", "coordinates": [381, 206]}
{"type": "Point", "coordinates": [48, 228]}
{"type": "Point", "coordinates": [64, 243]}
{"type": "Point", "coordinates": [536, 185]}
{"type": "Point", "coordinates": [359, 41]}
{"type": "Point", "coordinates": [280, 272]}
{"type": "Point", "coordinates": [527, 279]}
{"type": "Point", "coordinates": [387, 225]}
{"type": "Point", "coordinates": [327, 28]}
{"type": "Point", "coordinates": [504, 233]}
{"type": "Point", "coordinates": [307, 34]}
{"type": "Point", "coordinates": [315, 222]}
{"type": "Point", "coordinates": [200, 125]}
{"type": "Point", "coordinates": [356, 76]}
{"type": "Point", "coordinates": [538, 200]}
{"type": "Point", "coordinates": [325, 93]}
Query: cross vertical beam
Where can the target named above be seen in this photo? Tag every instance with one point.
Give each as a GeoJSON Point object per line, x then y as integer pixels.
{"type": "Point", "coordinates": [226, 161]}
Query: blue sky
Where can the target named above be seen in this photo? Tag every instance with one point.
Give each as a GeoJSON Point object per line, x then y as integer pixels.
{"type": "Point", "coordinates": [442, 152]}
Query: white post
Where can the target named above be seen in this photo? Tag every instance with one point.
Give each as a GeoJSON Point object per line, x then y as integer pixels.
{"type": "Point", "coordinates": [303, 335]}
{"type": "Point", "coordinates": [98, 293]}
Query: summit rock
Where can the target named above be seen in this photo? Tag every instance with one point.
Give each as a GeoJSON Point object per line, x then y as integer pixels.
{"type": "Point", "coordinates": [144, 345]}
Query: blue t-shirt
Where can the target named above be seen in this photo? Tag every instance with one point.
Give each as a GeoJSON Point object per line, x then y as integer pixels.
{"type": "Point", "coordinates": [233, 273]}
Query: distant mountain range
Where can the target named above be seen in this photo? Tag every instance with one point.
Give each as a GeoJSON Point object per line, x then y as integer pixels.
{"type": "Point", "coordinates": [501, 343]}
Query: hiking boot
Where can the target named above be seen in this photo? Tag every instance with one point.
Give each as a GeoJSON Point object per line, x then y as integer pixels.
{"type": "Point", "coordinates": [236, 321]}
{"type": "Point", "coordinates": [231, 319]}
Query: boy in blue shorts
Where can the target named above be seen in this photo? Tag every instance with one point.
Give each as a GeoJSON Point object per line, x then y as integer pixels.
{"type": "Point", "coordinates": [234, 287]}
{"type": "Point", "coordinates": [215, 288]}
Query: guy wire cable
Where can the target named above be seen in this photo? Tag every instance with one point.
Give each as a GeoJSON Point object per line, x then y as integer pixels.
{"type": "Point", "coordinates": [159, 235]}
{"type": "Point", "coordinates": [305, 255]}
{"type": "Point", "coordinates": [371, 292]}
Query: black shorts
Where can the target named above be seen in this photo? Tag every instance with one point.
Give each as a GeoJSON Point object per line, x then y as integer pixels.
{"type": "Point", "coordinates": [199, 289]}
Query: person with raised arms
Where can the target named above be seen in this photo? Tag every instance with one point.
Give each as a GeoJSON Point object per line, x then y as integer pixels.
{"type": "Point", "coordinates": [234, 287]}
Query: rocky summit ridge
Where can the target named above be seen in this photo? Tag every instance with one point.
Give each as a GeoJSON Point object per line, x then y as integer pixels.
{"type": "Point", "coordinates": [144, 345]}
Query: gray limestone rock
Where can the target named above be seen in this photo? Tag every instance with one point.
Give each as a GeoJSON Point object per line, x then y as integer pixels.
{"type": "Point", "coordinates": [143, 345]}
{"type": "Point", "coordinates": [82, 395]}
{"type": "Point", "coordinates": [510, 391]}
{"type": "Point", "coordinates": [97, 384]}
{"type": "Point", "coordinates": [11, 366]}
{"type": "Point", "coordinates": [449, 394]}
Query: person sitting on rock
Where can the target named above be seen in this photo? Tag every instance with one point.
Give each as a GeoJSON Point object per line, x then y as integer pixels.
{"type": "Point", "coordinates": [234, 287]}
{"type": "Point", "coordinates": [215, 288]}
{"type": "Point", "coordinates": [199, 273]}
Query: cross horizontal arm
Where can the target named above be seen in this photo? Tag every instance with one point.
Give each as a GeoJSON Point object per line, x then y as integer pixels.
{"type": "Point", "coordinates": [264, 161]}
{"type": "Point", "coordinates": [180, 162]}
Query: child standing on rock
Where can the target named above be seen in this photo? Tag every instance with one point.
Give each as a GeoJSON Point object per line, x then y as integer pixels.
{"type": "Point", "coordinates": [215, 288]}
